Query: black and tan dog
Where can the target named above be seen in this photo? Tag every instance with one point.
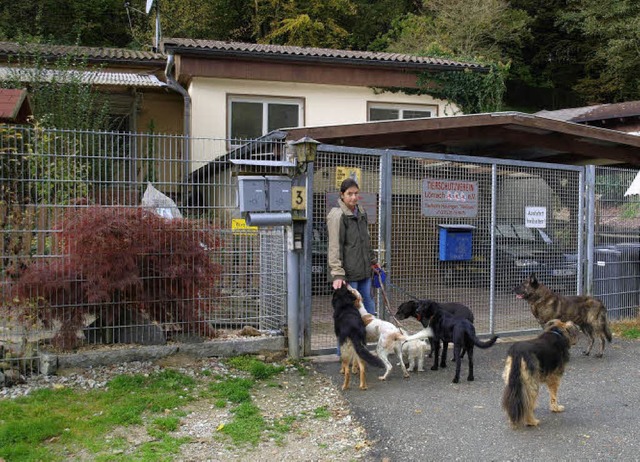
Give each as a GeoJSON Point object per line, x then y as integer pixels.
{"type": "Point", "coordinates": [352, 336]}
{"type": "Point", "coordinates": [408, 309]}
{"type": "Point", "coordinates": [532, 362]}
{"type": "Point", "coordinates": [448, 328]}
{"type": "Point", "coordinates": [586, 312]}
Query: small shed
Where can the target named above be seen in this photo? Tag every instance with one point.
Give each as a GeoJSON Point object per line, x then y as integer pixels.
{"type": "Point", "coordinates": [14, 106]}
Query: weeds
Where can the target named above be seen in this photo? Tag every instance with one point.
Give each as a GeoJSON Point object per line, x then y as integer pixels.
{"type": "Point", "coordinates": [54, 424]}
{"type": "Point", "coordinates": [629, 328]}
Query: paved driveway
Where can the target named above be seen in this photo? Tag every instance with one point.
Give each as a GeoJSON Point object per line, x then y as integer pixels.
{"type": "Point", "coordinates": [428, 418]}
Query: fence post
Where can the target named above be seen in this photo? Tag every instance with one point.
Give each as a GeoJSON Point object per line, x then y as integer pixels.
{"type": "Point", "coordinates": [590, 217]}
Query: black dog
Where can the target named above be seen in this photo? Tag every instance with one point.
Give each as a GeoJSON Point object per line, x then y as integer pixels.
{"type": "Point", "coordinates": [458, 310]}
{"type": "Point", "coordinates": [352, 336]}
{"type": "Point", "coordinates": [447, 328]}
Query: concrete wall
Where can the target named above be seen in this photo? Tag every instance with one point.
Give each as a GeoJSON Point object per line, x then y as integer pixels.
{"type": "Point", "coordinates": [323, 104]}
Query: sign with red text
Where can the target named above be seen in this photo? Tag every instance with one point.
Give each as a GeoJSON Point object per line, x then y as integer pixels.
{"type": "Point", "coordinates": [449, 198]}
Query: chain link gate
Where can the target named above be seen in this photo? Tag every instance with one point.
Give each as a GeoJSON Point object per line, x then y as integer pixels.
{"type": "Point", "coordinates": [522, 217]}
{"type": "Point", "coordinates": [613, 224]}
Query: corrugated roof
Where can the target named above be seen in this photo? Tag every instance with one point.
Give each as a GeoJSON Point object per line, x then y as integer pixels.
{"type": "Point", "coordinates": [91, 53]}
{"type": "Point", "coordinates": [92, 77]}
{"type": "Point", "coordinates": [215, 46]}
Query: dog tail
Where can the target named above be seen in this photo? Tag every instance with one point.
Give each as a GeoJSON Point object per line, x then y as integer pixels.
{"type": "Point", "coordinates": [427, 332]}
{"type": "Point", "coordinates": [479, 343]}
{"type": "Point", "coordinates": [365, 354]}
{"type": "Point", "coordinates": [517, 396]}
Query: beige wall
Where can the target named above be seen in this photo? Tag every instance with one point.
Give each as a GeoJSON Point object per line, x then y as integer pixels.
{"type": "Point", "coordinates": [324, 104]}
{"type": "Point", "coordinates": [165, 110]}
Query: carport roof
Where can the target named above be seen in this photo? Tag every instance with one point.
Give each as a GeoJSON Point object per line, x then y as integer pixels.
{"type": "Point", "coordinates": [512, 135]}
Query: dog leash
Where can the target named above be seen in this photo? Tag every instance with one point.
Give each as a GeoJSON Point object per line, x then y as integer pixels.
{"type": "Point", "coordinates": [385, 298]}
{"type": "Point", "coordinates": [400, 289]}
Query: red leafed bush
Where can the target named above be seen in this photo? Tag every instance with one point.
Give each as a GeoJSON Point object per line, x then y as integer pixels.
{"type": "Point", "coordinates": [124, 259]}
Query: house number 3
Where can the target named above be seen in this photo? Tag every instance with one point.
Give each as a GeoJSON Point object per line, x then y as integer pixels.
{"type": "Point", "coordinates": [298, 198]}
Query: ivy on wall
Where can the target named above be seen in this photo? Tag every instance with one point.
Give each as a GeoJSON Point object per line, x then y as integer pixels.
{"type": "Point", "coordinates": [472, 92]}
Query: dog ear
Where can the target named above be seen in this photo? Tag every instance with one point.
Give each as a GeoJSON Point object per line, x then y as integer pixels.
{"type": "Point", "coordinates": [533, 280]}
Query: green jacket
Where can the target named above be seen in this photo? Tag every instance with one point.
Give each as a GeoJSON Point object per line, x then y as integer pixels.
{"type": "Point", "coordinates": [349, 253]}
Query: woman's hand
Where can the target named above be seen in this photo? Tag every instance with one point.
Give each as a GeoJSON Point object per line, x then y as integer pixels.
{"type": "Point", "coordinates": [337, 283]}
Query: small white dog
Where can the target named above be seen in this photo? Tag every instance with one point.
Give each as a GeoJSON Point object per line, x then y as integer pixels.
{"type": "Point", "coordinates": [389, 338]}
{"type": "Point", "coordinates": [413, 353]}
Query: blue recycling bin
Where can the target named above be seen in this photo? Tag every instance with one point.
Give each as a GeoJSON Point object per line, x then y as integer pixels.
{"type": "Point", "coordinates": [455, 242]}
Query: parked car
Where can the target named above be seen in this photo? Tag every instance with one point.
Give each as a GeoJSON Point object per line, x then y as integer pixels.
{"type": "Point", "coordinates": [520, 251]}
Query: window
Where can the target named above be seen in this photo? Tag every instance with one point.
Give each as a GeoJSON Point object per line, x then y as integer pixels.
{"type": "Point", "coordinates": [252, 117]}
{"type": "Point", "coordinates": [378, 111]}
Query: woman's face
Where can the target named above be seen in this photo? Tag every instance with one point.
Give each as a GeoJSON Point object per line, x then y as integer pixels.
{"type": "Point", "coordinates": [350, 196]}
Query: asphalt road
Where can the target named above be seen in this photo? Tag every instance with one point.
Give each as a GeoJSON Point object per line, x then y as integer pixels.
{"type": "Point", "coordinates": [426, 417]}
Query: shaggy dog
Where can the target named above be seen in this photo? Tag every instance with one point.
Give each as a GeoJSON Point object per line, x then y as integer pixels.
{"type": "Point", "coordinates": [586, 312]}
{"type": "Point", "coordinates": [351, 334]}
{"type": "Point", "coordinates": [413, 353]}
{"type": "Point", "coordinates": [447, 328]}
{"type": "Point", "coordinates": [532, 362]}
{"type": "Point", "coordinates": [388, 337]}
{"type": "Point", "coordinates": [408, 309]}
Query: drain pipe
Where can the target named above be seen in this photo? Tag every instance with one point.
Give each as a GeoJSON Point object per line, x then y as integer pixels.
{"type": "Point", "coordinates": [171, 83]}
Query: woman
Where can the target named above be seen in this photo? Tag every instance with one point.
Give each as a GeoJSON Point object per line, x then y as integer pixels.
{"type": "Point", "coordinates": [350, 257]}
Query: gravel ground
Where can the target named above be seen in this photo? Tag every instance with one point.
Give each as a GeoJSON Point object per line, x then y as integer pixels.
{"type": "Point", "coordinates": [341, 437]}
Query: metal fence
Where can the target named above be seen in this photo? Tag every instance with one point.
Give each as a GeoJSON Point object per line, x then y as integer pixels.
{"type": "Point", "coordinates": [614, 253]}
{"type": "Point", "coordinates": [123, 237]}
{"type": "Point", "coordinates": [415, 201]}
{"type": "Point", "coordinates": [68, 200]}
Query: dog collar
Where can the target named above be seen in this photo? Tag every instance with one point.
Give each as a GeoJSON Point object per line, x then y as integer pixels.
{"type": "Point", "coordinates": [555, 331]}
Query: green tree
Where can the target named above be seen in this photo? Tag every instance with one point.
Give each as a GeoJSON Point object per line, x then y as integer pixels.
{"type": "Point", "coordinates": [210, 20]}
{"type": "Point", "coordinates": [478, 29]}
{"type": "Point", "coordinates": [66, 22]}
{"type": "Point", "coordinates": [312, 23]}
{"type": "Point", "coordinates": [374, 19]}
{"type": "Point", "coordinates": [612, 68]}
{"type": "Point", "coordinates": [547, 67]}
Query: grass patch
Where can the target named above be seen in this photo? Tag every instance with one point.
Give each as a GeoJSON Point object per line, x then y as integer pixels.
{"type": "Point", "coordinates": [247, 425]}
{"type": "Point", "coordinates": [629, 328]}
{"type": "Point", "coordinates": [258, 369]}
{"type": "Point", "coordinates": [232, 389]}
{"type": "Point", "coordinates": [46, 424]}
{"type": "Point", "coordinates": [56, 424]}
{"type": "Point", "coordinates": [321, 412]}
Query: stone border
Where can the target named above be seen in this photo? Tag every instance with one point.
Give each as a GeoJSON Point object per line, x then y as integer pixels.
{"type": "Point", "coordinates": [51, 362]}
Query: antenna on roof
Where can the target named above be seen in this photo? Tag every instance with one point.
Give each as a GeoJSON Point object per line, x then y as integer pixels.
{"type": "Point", "coordinates": [148, 8]}
{"type": "Point", "coordinates": [150, 5]}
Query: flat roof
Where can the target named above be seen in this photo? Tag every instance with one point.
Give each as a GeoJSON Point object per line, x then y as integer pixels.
{"type": "Point", "coordinates": [512, 135]}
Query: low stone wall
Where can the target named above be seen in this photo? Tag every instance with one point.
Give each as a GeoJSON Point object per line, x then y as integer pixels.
{"type": "Point", "coordinates": [50, 362]}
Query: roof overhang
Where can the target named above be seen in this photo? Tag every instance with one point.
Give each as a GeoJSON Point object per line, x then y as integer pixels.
{"type": "Point", "coordinates": [127, 79]}
{"type": "Point", "coordinates": [511, 135]}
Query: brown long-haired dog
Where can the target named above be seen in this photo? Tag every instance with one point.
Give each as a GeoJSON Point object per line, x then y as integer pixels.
{"type": "Point", "coordinates": [586, 312]}
{"type": "Point", "coordinates": [532, 362]}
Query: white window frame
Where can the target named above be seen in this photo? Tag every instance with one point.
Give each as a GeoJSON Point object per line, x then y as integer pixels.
{"type": "Point", "coordinates": [401, 108]}
{"type": "Point", "coordinates": [265, 101]}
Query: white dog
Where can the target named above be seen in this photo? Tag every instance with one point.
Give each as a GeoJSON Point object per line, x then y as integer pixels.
{"type": "Point", "coordinates": [413, 353]}
{"type": "Point", "coordinates": [389, 338]}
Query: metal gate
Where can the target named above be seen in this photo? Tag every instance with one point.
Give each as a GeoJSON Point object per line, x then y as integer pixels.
{"type": "Point", "coordinates": [613, 251]}
{"type": "Point", "coordinates": [503, 219]}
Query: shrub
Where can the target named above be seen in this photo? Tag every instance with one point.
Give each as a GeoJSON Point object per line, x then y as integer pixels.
{"type": "Point", "coordinates": [118, 262]}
